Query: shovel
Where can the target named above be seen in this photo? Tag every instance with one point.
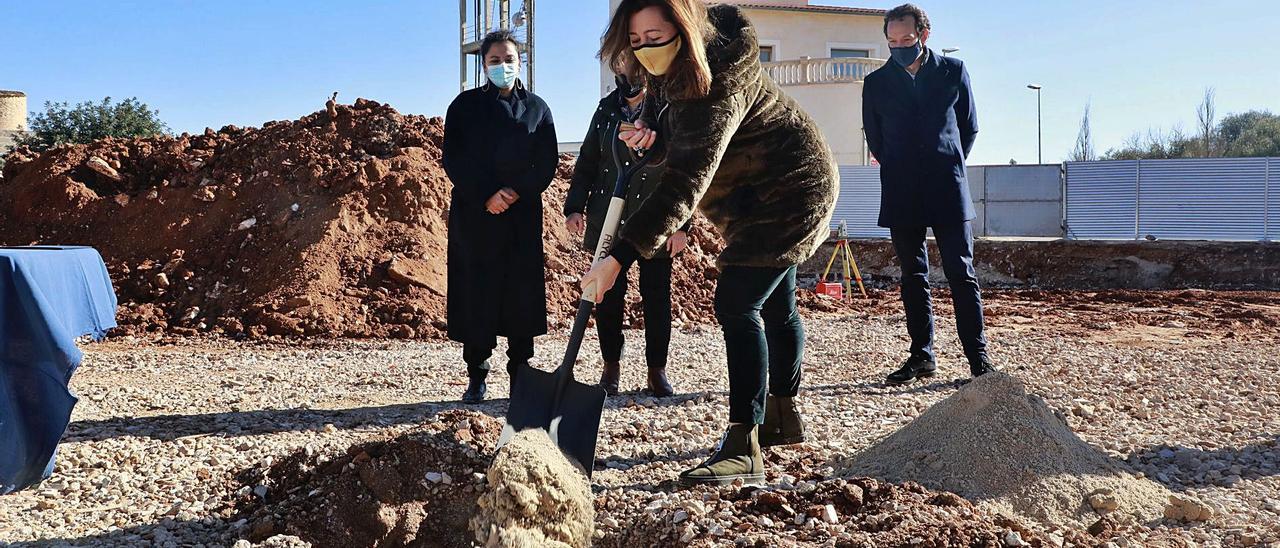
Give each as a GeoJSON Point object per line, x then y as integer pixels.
{"type": "Point", "coordinates": [569, 410]}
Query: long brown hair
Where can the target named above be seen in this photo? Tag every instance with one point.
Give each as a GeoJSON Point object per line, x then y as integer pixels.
{"type": "Point", "coordinates": [690, 74]}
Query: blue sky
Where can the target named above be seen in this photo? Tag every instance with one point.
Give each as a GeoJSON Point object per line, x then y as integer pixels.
{"type": "Point", "coordinates": [1142, 63]}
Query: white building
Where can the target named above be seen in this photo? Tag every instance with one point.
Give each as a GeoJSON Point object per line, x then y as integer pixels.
{"type": "Point", "coordinates": [13, 117]}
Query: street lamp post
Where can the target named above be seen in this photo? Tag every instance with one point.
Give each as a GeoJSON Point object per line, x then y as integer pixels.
{"type": "Point", "coordinates": [1039, 130]}
{"type": "Point", "coordinates": [949, 51]}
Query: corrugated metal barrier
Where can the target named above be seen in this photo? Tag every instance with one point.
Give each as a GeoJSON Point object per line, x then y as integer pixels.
{"type": "Point", "coordinates": [1230, 199]}
{"type": "Point", "coordinates": [859, 202]}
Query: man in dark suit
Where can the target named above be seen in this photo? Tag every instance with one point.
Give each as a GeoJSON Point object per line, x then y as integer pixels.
{"type": "Point", "coordinates": [920, 123]}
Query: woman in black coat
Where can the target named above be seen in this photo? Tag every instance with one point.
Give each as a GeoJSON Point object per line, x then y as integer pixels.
{"type": "Point", "coordinates": [500, 154]}
{"type": "Point", "coordinates": [590, 191]}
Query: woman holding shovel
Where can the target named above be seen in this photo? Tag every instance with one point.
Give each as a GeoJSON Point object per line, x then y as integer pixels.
{"type": "Point", "coordinates": [757, 166]}
{"type": "Point", "coordinates": [585, 209]}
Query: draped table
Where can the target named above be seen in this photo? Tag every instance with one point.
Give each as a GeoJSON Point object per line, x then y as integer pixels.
{"type": "Point", "coordinates": [49, 297]}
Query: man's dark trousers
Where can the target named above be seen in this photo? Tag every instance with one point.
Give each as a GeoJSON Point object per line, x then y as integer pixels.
{"type": "Point", "coordinates": [955, 245]}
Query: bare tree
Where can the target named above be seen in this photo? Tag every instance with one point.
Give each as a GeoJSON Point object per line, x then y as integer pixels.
{"type": "Point", "coordinates": [1083, 151]}
{"type": "Point", "coordinates": [1206, 118]}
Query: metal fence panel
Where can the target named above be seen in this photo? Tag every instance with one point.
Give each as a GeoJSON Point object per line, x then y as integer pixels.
{"type": "Point", "coordinates": [1273, 200]}
{"type": "Point", "coordinates": [1037, 183]}
{"type": "Point", "coordinates": [1023, 200]}
{"type": "Point", "coordinates": [859, 202]}
{"type": "Point", "coordinates": [1024, 219]}
{"type": "Point", "coordinates": [1102, 200]}
{"type": "Point", "coordinates": [977, 176]}
{"type": "Point", "coordinates": [1203, 199]}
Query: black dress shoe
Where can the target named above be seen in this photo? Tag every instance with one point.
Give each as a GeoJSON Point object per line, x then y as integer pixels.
{"type": "Point", "coordinates": [916, 367]}
{"type": "Point", "coordinates": [982, 367]}
{"type": "Point", "coordinates": [476, 390]}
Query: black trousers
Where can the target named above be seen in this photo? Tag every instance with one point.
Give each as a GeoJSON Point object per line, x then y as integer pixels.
{"type": "Point", "coordinates": [955, 244]}
{"type": "Point", "coordinates": [519, 350]}
{"type": "Point", "coordinates": [655, 297]}
{"type": "Point", "coordinates": [763, 337]}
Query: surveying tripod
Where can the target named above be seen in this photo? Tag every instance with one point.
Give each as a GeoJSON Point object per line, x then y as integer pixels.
{"type": "Point", "coordinates": [846, 255]}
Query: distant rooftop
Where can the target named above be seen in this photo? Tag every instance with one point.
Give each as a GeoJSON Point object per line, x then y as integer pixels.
{"type": "Point", "coordinates": [7, 93]}
{"type": "Point", "coordinates": [805, 6]}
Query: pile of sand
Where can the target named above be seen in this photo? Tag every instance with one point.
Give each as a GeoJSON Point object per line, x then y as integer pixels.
{"type": "Point", "coordinates": [994, 444]}
{"type": "Point", "coordinates": [535, 498]}
{"type": "Point", "coordinates": [333, 225]}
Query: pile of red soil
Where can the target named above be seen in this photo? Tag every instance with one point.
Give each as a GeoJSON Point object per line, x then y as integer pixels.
{"type": "Point", "coordinates": [331, 225]}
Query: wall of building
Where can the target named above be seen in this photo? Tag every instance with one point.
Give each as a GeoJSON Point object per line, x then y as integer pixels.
{"type": "Point", "coordinates": [796, 34]}
{"type": "Point", "coordinates": [13, 116]}
{"type": "Point", "coordinates": [837, 108]}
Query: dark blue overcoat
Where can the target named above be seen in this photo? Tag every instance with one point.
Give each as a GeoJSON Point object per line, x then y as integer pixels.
{"type": "Point", "coordinates": [921, 130]}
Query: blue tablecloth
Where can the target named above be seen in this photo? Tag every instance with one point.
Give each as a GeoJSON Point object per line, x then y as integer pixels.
{"type": "Point", "coordinates": [49, 296]}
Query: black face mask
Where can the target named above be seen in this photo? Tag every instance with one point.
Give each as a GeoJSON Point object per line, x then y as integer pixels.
{"type": "Point", "coordinates": [627, 89]}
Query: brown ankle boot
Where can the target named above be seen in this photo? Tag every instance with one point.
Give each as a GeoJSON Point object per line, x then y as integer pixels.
{"type": "Point", "coordinates": [609, 378]}
{"type": "Point", "coordinates": [782, 423]}
{"type": "Point", "coordinates": [658, 384]}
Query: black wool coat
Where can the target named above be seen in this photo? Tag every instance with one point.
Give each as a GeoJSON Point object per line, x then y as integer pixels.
{"type": "Point", "coordinates": [594, 173]}
{"type": "Point", "coordinates": [747, 156]}
{"type": "Point", "coordinates": [496, 282]}
{"type": "Point", "coordinates": [921, 130]}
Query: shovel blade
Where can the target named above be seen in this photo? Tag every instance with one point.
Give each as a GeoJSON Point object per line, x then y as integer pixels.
{"type": "Point", "coordinates": [572, 420]}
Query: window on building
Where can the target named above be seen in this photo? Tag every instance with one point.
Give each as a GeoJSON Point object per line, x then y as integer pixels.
{"type": "Point", "coordinates": [848, 71]}
{"type": "Point", "coordinates": [766, 54]}
{"type": "Point", "coordinates": [843, 53]}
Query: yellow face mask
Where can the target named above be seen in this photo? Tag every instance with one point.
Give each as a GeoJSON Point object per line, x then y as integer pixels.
{"type": "Point", "coordinates": [657, 58]}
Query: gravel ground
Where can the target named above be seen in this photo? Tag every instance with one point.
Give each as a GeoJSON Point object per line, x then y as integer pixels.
{"type": "Point", "coordinates": [161, 430]}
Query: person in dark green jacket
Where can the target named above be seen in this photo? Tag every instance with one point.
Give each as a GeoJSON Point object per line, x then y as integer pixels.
{"type": "Point", "coordinates": [590, 191]}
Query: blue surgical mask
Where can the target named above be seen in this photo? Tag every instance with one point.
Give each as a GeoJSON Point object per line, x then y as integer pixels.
{"type": "Point", "coordinates": [906, 56]}
{"type": "Point", "coordinates": [504, 76]}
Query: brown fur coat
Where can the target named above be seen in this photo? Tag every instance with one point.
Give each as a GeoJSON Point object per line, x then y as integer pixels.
{"type": "Point", "coordinates": [747, 156]}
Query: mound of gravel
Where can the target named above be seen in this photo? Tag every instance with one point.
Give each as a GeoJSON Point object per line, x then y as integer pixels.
{"type": "Point", "coordinates": [833, 512]}
{"type": "Point", "coordinates": [994, 444]}
{"type": "Point", "coordinates": [535, 498]}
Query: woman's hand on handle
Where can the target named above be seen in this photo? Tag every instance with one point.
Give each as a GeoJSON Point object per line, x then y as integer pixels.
{"type": "Point", "coordinates": [642, 138]}
{"type": "Point", "coordinates": [601, 278]}
{"type": "Point", "coordinates": [575, 223]}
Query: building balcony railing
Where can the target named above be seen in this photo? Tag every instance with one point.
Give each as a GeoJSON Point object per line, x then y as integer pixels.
{"type": "Point", "coordinates": [807, 71]}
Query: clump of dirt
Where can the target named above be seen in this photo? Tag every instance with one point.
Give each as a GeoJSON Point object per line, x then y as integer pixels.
{"type": "Point", "coordinates": [993, 443]}
{"type": "Point", "coordinates": [418, 489]}
{"type": "Point", "coordinates": [535, 497]}
{"type": "Point", "coordinates": [333, 225]}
